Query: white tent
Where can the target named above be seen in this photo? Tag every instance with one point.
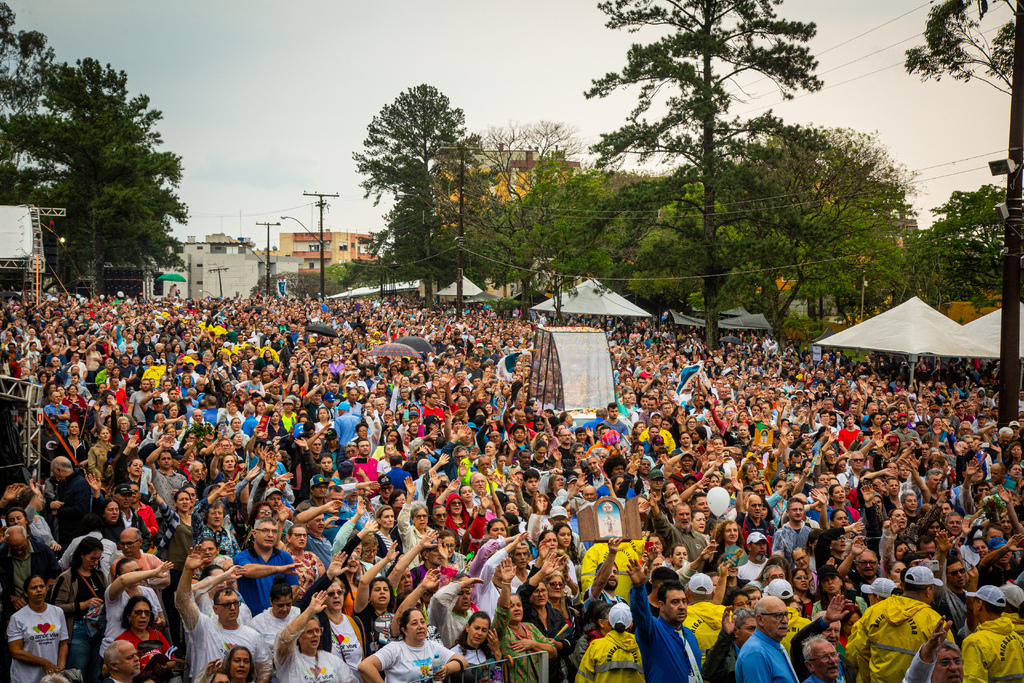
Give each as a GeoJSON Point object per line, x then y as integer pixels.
{"type": "Point", "coordinates": [590, 298]}
{"type": "Point", "coordinates": [360, 292]}
{"type": "Point", "coordinates": [989, 327]}
{"type": "Point", "coordinates": [916, 329]}
{"type": "Point", "coordinates": [468, 288]}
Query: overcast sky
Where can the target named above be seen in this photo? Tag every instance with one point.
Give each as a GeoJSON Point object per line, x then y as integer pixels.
{"type": "Point", "coordinates": [265, 100]}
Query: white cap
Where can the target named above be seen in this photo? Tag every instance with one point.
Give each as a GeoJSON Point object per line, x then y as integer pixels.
{"type": "Point", "coordinates": [920, 577]}
{"type": "Point", "coordinates": [779, 588]}
{"type": "Point", "coordinates": [558, 511]}
{"type": "Point", "coordinates": [991, 595]}
{"type": "Point", "coordinates": [700, 584]}
{"type": "Point", "coordinates": [620, 614]}
{"type": "Point", "coordinates": [756, 537]}
{"type": "Point", "coordinates": [1013, 594]}
{"type": "Point", "coordinates": [881, 587]}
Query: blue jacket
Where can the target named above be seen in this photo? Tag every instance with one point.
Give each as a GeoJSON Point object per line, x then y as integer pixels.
{"type": "Point", "coordinates": [346, 425]}
{"type": "Point", "coordinates": [764, 660]}
{"type": "Point", "coordinates": [662, 650]}
{"type": "Point", "coordinates": [76, 494]}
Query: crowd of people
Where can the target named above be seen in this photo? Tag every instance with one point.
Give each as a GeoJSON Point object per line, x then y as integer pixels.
{"type": "Point", "coordinates": [226, 496]}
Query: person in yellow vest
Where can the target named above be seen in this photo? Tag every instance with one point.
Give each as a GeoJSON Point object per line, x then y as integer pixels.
{"type": "Point", "coordinates": [884, 641]}
{"type": "Point", "coordinates": [993, 652]}
{"type": "Point", "coordinates": [615, 656]}
{"type": "Point", "coordinates": [781, 589]}
{"type": "Point", "coordinates": [1014, 600]}
{"type": "Point", "coordinates": [704, 616]}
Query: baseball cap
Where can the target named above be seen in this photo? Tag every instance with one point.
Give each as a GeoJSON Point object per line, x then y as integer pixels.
{"type": "Point", "coordinates": [330, 434]}
{"type": "Point", "coordinates": [344, 406]}
{"type": "Point", "coordinates": [318, 480]}
{"type": "Point", "coordinates": [881, 587]}
{"type": "Point", "coordinates": [827, 570]}
{"type": "Point", "coordinates": [657, 474]}
{"type": "Point", "coordinates": [272, 491]}
{"type": "Point", "coordinates": [1013, 593]}
{"type": "Point", "coordinates": [921, 577]}
{"type": "Point", "coordinates": [329, 396]}
{"type": "Point", "coordinates": [124, 490]}
{"type": "Point", "coordinates": [779, 588]}
{"type": "Point", "coordinates": [619, 615]}
{"type": "Point", "coordinates": [558, 511]}
{"type": "Point", "coordinates": [384, 480]}
{"type": "Point", "coordinates": [996, 543]}
{"type": "Point", "coordinates": [1014, 424]}
{"type": "Point", "coordinates": [350, 384]}
{"type": "Point", "coordinates": [991, 595]}
{"type": "Point", "coordinates": [700, 584]}
{"type": "Point", "coordinates": [901, 416]}
{"type": "Point", "coordinates": [756, 537]}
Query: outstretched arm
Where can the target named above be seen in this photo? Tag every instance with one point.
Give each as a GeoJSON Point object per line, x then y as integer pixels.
{"type": "Point", "coordinates": [286, 640]}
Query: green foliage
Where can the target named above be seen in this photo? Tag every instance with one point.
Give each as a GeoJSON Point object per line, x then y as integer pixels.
{"type": "Point", "coordinates": [405, 157]}
{"type": "Point", "coordinates": [24, 62]}
{"type": "Point", "coordinates": [955, 45]}
{"type": "Point", "coordinates": [687, 72]}
{"type": "Point", "coordinates": [93, 150]}
{"type": "Point", "coordinates": [964, 245]}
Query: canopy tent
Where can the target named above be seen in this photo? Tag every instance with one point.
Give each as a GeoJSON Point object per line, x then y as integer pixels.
{"type": "Point", "coordinates": [468, 289]}
{"type": "Point", "coordinates": [989, 327]}
{"type": "Point", "coordinates": [749, 321]}
{"type": "Point", "coordinates": [591, 298]}
{"type": "Point", "coordinates": [735, 312]}
{"type": "Point", "coordinates": [482, 296]}
{"type": "Point", "coordinates": [916, 329]}
{"type": "Point", "coordinates": [825, 335]}
{"type": "Point", "coordinates": [685, 320]}
{"type": "Point", "coordinates": [360, 292]}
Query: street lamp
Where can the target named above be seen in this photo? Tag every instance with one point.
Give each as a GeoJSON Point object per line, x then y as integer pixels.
{"type": "Point", "coordinates": [320, 241]}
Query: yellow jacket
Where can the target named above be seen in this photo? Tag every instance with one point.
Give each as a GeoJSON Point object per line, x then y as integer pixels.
{"type": "Point", "coordinates": [885, 640]}
{"type": "Point", "coordinates": [1017, 621]}
{"type": "Point", "coordinates": [594, 558]}
{"type": "Point", "coordinates": [796, 622]}
{"type": "Point", "coordinates": [670, 443]}
{"type": "Point", "coordinates": [993, 653]}
{"type": "Point", "coordinates": [614, 658]}
{"type": "Point", "coordinates": [705, 620]}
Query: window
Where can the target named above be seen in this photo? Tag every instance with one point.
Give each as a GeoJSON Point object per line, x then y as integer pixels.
{"type": "Point", "coordinates": [313, 247]}
{"type": "Point", "coordinates": [199, 265]}
{"type": "Point", "coordinates": [199, 247]}
{"type": "Point", "coordinates": [311, 264]}
{"type": "Point", "coordinates": [199, 282]}
{"type": "Point", "coordinates": [343, 247]}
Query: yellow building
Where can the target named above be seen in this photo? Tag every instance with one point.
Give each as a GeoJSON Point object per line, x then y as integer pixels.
{"type": "Point", "coordinates": [340, 247]}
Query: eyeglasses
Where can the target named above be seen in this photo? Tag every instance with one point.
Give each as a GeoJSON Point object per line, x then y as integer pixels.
{"type": "Point", "coordinates": [556, 586]}
{"type": "Point", "coordinates": [126, 544]}
{"type": "Point", "coordinates": [230, 605]}
{"type": "Point", "coordinates": [141, 612]}
{"type": "Point", "coordinates": [779, 616]}
{"type": "Point", "coordinates": [954, 661]}
{"type": "Point", "coordinates": [825, 658]}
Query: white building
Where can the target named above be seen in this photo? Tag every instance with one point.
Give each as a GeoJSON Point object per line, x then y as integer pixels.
{"type": "Point", "coordinates": [224, 266]}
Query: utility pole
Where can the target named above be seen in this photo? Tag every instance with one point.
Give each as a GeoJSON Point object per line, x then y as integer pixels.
{"type": "Point", "coordinates": [268, 253]}
{"type": "Point", "coordinates": [462, 233]}
{"type": "Point", "coordinates": [1009, 337]}
{"type": "Point", "coordinates": [322, 203]}
{"type": "Point", "coordinates": [863, 286]}
{"type": "Point", "coordinates": [220, 280]}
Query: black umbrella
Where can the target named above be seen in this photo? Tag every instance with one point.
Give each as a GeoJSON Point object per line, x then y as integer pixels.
{"type": "Point", "coordinates": [729, 339]}
{"type": "Point", "coordinates": [322, 330]}
{"type": "Point", "coordinates": [418, 343]}
{"type": "Point", "coordinates": [10, 295]}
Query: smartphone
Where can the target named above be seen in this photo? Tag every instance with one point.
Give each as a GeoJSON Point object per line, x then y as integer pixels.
{"type": "Point", "coordinates": [851, 595]}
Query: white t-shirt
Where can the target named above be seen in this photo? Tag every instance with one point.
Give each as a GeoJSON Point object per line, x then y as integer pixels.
{"type": "Point", "coordinates": [40, 635]}
{"type": "Point", "coordinates": [345, 644]}
{"type": "Point", "coordinates": [210, 641]}
{"type": "Point", "coordinates": [751, 570]}
{"type": "Point", "coordinates": [324, 668]}
{"type": "Point", "coordinates": [269, 626]}
{"type": "Point", "coordinates": [402, 663]}
{"type": "Point", "coordinates": [115, 608]}
{"type": "Point", "coordinates": [205, 603]}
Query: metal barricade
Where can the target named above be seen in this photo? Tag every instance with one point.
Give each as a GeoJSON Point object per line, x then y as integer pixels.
{"type": "Point", "coordinates": [528, 667]}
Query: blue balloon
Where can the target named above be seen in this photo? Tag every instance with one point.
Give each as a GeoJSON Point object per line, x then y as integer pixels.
{"type": "Point", "coordinates": [323, 307]}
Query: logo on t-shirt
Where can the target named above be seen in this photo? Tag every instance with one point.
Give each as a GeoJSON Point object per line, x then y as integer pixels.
{"type": "Point", "coordinates": [317, 671]}
{"type": "Point", "coordinates": [43, 628]}
{"type": "Point", "coordinates": [342, 639]}
{"type": "Point", "coordinates": [228, 646]}
{"type": "Point", "coordinates": [424, 665]}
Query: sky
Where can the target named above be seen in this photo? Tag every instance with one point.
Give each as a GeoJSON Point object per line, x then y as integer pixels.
{"type": "Point", "coordinates": [265, 100]}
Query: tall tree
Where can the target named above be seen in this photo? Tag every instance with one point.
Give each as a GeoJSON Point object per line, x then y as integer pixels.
{"type": "Point", "coordinates": [704, 46]}
{"type": "Point", "coordinates": [831, 199]}
{"type": "Point", "coordinates": [24, 61]}
{"type": "Point", "coordinates": [955, 45]}
{"type": "Point", "coordinates": [407, 155]}
{"type": "Point", "coordinates": [94, 151]}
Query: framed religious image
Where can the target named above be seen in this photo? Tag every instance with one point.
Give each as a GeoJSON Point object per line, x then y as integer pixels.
{"type": "Point", "coordinates": [610, 518]}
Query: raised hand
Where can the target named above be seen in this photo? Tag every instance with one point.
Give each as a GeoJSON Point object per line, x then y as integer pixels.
{"type": "Point", "coordinates": [506, 571]}
{"type": "Point", "coordinates": [728, 621]}
{"type": "Point", "coordinates": [837, 609]}
{"type": "Point", "coordinates": [93, 482]}
{"type": "Point", "coordinates": [637, 572]}
{"type": "Point", "coordinates": [318, 602]}
{"type": "Point", "coordinates": [431, 580]}
{"type": "Point", "coordinates": [931, 645]}
{"type": "Point", "coordinates": [194, 560]}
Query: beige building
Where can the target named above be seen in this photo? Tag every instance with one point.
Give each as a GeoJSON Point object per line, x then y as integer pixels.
{"type": "Point", "coordinates": [340, 247]}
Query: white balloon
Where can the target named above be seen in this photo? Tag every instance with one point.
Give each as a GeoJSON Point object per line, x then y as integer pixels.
{"type": "Point", "coordinates": [120, 295]}
{"type": "Point", "coordinates": [718, 501]}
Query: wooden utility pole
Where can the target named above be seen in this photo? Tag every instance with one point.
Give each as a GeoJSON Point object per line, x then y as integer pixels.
{"type": "Point", "coordinates": [1009, 337]}
{"type": "Point", "coordinates": [462, 233]}
{"type": "Point", "coordinates": [268, 254]}
{"type": "Point", "coordinates": [322, 203]}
